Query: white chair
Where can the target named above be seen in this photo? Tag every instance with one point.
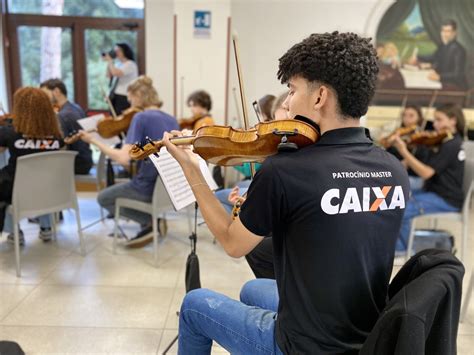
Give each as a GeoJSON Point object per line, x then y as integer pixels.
{"type": "Point", "coordinates": [160, 204]}
{"type": "Point", "coordinates": [44, 184]}
{"type": "Point", "coordinates": [99, 179]}
{"type": "Point", "coordinates": [463, 215]}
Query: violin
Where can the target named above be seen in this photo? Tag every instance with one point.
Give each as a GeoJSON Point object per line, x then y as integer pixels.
{"type": "Point", "coordinates": [226, 146]}
{"type": "Point", "coordinates": [110, 127]}
{"type": "Point", "coordinates": [189, 123]}
{"type": "Point", "coordinates": [6, 119]}
{"type": "Point", "coordinates": [401, 131]}
{"type": "Point", "coordinates": [429, 138]}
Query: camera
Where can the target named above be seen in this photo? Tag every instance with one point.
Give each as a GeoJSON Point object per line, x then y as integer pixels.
{"type": "Point", "coordinates": [111, 53]}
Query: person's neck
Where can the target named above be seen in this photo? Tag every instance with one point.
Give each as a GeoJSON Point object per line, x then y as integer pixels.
{"type": "Point", "coordinates": [151, 107]}
{"type": "Point", "coordinates": [61, 101]}
{"type": "Point", "coordinates": [330, 124]}
{"type": "Point", "coordinates": [123, 60]}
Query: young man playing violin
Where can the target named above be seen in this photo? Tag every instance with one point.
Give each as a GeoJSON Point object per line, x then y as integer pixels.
{"type": "Point", "coordinates": [441, 168]}
{"type": "Point", "coordinates": [334, 209]}
{"type": "Point", "coordinates": [200, 104]}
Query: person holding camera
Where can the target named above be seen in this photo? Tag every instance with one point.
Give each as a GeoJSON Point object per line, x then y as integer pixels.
{"type": "Point", "coordinates": [122, 72]}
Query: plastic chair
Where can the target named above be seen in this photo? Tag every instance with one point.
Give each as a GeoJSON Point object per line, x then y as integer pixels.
{"type": "Point", "coordinates": [160, 204]}
{"type": "Point", "coordinates": [44, 184]}
{"type": "Point", "coordinates": [98, 179]}
{"type": "Point", "coordinates": [463, 215]}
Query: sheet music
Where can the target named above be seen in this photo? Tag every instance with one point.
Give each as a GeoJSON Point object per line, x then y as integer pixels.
{"type": "Point", "coordinates": [90, 123]}
{"type": "Point", "coordinates": [418, 79]}
{"type": "Point", "coordinates": [174, 180]}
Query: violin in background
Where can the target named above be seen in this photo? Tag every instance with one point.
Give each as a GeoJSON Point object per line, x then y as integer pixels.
{"type": "Point", "coordinates": [6, 119]}
{"type": "Point", "coordinates": [196, 122]}
{"type": "Point", "coordinates": [429, 138]}
{"type": "Point", "coordinates": [110, 127]}
{"type": "Point", "coordinates": [401, 131]}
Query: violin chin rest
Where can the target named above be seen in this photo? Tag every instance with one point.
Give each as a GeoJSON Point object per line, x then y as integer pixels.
{"type": "Point", "coordinates": [287, 147]}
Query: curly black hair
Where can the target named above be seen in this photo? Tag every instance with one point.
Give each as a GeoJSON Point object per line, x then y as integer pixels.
{"type": "Point", "coordinates": [344, 61]}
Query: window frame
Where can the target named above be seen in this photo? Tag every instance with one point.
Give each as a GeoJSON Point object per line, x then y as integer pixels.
{"type": "Point", "coordinates": [78, 26]}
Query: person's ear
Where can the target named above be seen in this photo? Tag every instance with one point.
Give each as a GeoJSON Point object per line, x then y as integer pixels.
{"type": "Point", "coordinates": [320, 97]}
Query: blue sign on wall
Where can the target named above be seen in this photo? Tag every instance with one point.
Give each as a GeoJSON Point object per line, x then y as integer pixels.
{"type": "Point", "coordinates": [202, 23]}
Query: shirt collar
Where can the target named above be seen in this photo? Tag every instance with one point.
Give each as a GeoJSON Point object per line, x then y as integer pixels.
{"type": "Point", "coordinates": [342, 136]}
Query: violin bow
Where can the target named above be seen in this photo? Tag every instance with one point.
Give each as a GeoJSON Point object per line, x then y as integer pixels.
{"type": "Point", "coordinates": [430, 106]}
{"type": "Point", "coordinates": [236, 100]}
{"type": "Point", "coordinates": [109, 103]}
{"type": "Point", "coordinates": [242, 91]}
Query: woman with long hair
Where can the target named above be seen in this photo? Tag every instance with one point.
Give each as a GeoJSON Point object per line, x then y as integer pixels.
{"type": "Point", "coordinates": [35, 129]}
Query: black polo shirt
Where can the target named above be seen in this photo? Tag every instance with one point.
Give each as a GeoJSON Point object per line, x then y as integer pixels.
{"type": "Point", "coordinates": [448, 162]}
{"type": "Point", "coordinates": [335, 210]}
{"type": "Point", "coordinates": [68, 116]}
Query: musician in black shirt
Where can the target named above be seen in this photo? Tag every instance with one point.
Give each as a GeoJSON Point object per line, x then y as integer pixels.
{"type": "Point", "coordinates": [441, 167]}
{"type": "Point", "coordinates": [334, 209]}
{"type": "Point", "coordinates": [35, 129]}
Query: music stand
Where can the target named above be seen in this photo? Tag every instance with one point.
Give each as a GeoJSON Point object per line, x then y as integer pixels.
{"type": "Point", "coordinates": [192, 278]}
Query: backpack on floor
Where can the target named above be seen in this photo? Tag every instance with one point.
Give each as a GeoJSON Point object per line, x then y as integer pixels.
{"type": "Point", "coordinates": [433, 239]}
{"type": "Point", "coordinates": [10, 348]}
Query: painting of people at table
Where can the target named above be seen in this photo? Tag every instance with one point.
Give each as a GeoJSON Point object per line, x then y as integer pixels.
{"type": "Point", "coordinates": [424, 44]}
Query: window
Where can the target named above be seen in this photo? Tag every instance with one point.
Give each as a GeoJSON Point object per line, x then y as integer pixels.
{"type": "Point", "coordinates": [88, 8]}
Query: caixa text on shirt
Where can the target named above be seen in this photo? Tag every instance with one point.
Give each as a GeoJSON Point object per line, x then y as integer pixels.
{"type": "Point", "coordinates": [46, 144]}
{"type": "Point", "coordinates": [365, 199]}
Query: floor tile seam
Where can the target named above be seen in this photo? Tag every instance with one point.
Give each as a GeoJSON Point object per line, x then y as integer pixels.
{"type": "Point", "coordinates": [76, 326]}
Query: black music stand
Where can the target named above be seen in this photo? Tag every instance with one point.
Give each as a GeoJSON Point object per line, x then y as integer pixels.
{"type": "Point", "coordinates": [192, 279]}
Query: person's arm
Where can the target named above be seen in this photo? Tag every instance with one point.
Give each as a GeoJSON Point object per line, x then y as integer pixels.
{"type": "Point", "coordinates": [421, 169]}
{"type": "Point", "coordinates": [119, 155]}
{"type": "Point", "coordinates": [234, 237]}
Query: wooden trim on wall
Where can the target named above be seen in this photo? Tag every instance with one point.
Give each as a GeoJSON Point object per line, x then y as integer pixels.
{"type": "Point", "coordinates": [6, 52]}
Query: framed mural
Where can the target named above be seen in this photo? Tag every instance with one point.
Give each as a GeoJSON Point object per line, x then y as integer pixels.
{"type": "Point", "coordinates": [426, 53]}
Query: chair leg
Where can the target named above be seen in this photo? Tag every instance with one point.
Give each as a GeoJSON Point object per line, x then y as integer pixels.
{"type": "Point", "coordinates": [410, 240]}
{"type": "Point", "coordinates": [53, 225]}
{"type": "Point", "coordinates": [467, 298]}
{"type": "Point", "coordinates": [16, 237]}
{"type": "Point", "coordinates": [155, 239]}
{"type": "Point", "coordinates": [79, 231]}
{"type": "Point", "coordinates": [116, 219]}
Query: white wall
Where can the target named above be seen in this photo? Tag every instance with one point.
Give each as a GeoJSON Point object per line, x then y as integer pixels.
{"type": "Point", "coordinates": [159, 48]}
{"type": "Point", "coordinates": [265, 28]}
{"type": "Point", "coordinates": [202, 61]}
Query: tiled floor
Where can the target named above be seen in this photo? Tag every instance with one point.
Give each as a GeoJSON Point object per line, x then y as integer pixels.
{"type": "Point", "coordinates": [115, 304]}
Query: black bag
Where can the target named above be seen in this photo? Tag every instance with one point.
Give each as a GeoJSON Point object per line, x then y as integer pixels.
{"type": "Point", "coordinates": [10, 348]}
{"type": "Point", "coordinates": [192, 279]}
{"type": "Point", "coordinates": [433, 239]}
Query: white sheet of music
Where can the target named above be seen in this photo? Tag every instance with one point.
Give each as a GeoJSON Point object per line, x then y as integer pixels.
{"type": "Point", "coordinates": [90, 123]}
{"type": "Point", "coordinates": [418, 79]}
{"type": "Point", "coordinates": [174, 180]}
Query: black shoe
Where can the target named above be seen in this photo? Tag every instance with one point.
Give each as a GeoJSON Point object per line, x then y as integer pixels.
{"type": "Point", "coordinates": [144, 237]}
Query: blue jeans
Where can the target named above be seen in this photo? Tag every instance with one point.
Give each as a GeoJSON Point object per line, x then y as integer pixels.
{"type": "Point", "coordinates": [420, 203]}
{"type": "Point", "coordinates": [246, 327]}
{"type": "Point", "coordinates": [223, 195]}
{"type": "Point", "coordinates": [107, 197]}
{"type": "Point", "coordinates": [44, 222]}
